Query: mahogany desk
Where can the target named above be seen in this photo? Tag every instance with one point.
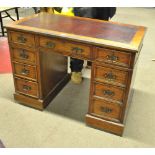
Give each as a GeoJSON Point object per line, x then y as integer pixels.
{"type": "Point", "coordinates": [40, 44]}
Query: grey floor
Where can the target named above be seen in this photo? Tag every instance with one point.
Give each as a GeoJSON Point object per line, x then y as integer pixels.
{"type": "Point", "coordinates": [62, 124]}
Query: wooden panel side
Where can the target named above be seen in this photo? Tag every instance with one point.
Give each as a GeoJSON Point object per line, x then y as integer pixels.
{"type": "Point", "coordinates": [53, 68]}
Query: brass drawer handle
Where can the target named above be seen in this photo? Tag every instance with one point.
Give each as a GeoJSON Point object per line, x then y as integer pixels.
{"type": "Point", "coordinates": [23, 55]}
{"type": "Point", "coordinates": [106, 109]}
{"type": "Point", "coordinates": [112, 58]}
{"type": "Point", "coordinates": [25, 71]}
{"type": "Point", "coordinates": [22, 39]}
{"type": "Point", "coordinates": [26, 88]}
{"type": "Point", "coordinates": [110, 76]}
{"type": "Point", "coordinates": [108, 92]}
{"type": "Point", "coordinates": [77, 50]}
{"type": "Point", "coordinates": [50, 44]}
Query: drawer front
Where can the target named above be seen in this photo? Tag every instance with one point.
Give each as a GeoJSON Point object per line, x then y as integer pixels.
{"type": "Point", "coordinates": [26, 87]}
{"type": "Point", "coordinates": [22, 38]}
{"type": "Point", "coordinates": [23, 55]}
{"type": "Point", "coordinates": [79, 50]}
{"type": "Point", "coordinates": [25, 71]}
{"type": "Point", "coordinates": [107, 109]}
{"type": "Point", "coordinates": [110, 75]}
{"type": "Point", "coordinates": [113, 56]}
{"type": "Point", "coordinates": [109, 92]}
{"type": "Point", "coordinates": [51, 43]}
{"type": "Point", "coordinates": [66, 48]}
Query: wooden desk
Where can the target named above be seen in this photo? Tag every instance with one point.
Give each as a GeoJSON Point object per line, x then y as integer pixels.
{"type": "Point", "coordinates": [39, 46]}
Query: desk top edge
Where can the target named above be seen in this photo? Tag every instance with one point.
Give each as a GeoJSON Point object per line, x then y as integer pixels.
{"type": "Point", "coordinates": [133, 46]}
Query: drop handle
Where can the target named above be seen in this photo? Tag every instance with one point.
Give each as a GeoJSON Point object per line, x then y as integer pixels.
{"type": "Point", "coordinates": [50, 44]}
{"type": "Point", "coordinates": [110, 76]}
{"type": "Point", "coordinates": [112, 58]}
{"type": "Point", "coordinates": [108, 92]}
{"type": "Point", "coordinates": [21, 39]}
{"type": "Point", "coordinates": [26, 88]}
{"type": "Point", "coordinates": [77, 50]}
{"type": "Point", "coordinates": [106, 109]}
{"type": "Point", "coordinates": [23, 55]}
{"type": "Point", "coordinates": [24, 71]}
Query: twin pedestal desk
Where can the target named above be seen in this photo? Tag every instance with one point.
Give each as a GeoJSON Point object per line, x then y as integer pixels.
{"type": "Point", "coordinates": [39, 46]}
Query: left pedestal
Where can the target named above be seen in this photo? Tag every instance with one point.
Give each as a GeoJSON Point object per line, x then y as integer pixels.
{"type": "Point", "coordinates": [38, 75]}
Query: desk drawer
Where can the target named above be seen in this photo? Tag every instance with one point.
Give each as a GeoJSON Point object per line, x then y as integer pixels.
{"type": "Point", "coordinates": [23, 55]}
{"type": "Point", "coordinates": [26, 87]}
{"type": "Point", "coordinates": [110, 75]}
{"type": "Point", "coordinates": [113, 56]}
{"type": "Point", "coordinates": [106, 109]}
{"type": "Point", "coordinates": [66, 48]}
{"type": "Point", "coordinates": [51, 43]}
{"type": "Point", "coordinates": [25, 71]}
{"type": "Point", "coordinates": [22, 38]}
{"type": "Point", "coordinates": [109, 92]}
